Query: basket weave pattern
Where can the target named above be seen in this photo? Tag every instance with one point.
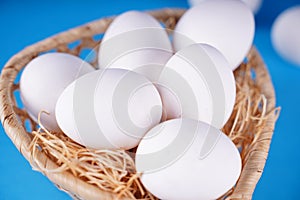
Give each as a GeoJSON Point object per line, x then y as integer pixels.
{"type": "Point", "coordinates": [250, 127]}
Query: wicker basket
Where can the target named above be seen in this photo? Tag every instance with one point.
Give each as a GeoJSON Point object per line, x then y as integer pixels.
{"type": "Point", "coordinates": [256, 143]}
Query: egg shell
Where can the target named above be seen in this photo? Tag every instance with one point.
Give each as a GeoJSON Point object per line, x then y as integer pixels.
{"type": "Point", "coordinates": [187, 159]}
{"type": "Point", "coordinates": [285, 35]}
{"type": "Point", "coordinates": [254, 5]}
{"type": "Point", "coordinates": [226, 75]}
{"type": "Point", "coordinates": [135, 41]}
{"type": "Point", "coordinates": [43, 80]}
{"type": "Point", "coordinates": [198, 83]}
{"type": "Point", "coordinates": [109, 109]}
{"type": "Point", "coordinates": [148, 62]}
{"type": "Point", "coordinates": [226, 25]}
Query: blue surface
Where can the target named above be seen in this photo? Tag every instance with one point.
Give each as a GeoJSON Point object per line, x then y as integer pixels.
{"type": "Point", "coordinates": [25, 22]}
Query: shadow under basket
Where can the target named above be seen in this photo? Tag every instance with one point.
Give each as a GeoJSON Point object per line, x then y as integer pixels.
{"type": "Point", "coordinates": [104, 174]}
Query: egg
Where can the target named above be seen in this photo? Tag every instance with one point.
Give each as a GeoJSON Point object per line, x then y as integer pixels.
{"type": "Point", "coordinates": [43, 80]}
{"type": "Point", "coordinates": [254, 5]}
{"type": "Point", "coordinates": [187, 159]}
{"type": "Point", "coordinates": [285, 35]}
{"type": "Point", "coordinates": [135, 41]}
{"type": "Point", "coordinates": [197, 83]}
{"type": "Point", "coordinates": [226, 25]}
{"type": "Point", "coordinates": [109, 109]}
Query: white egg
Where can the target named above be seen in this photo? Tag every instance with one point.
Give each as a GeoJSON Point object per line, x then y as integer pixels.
{"type": "Point", "coordinates": [187, 159]}
{"type": "Point", "coordinates": [195, 2]}
{"type": "Point", "coordinates": [198, 83]}
{"type": "Point", "coordinates": [286, 35]}
{"type": "Point", "coordinates": [254, 5]}
{"type": "Point", "coordinates": [44, 79]}
{"type": "Point", "coordinates": [109, 109]}
{"type": "Point", "coordinates": [226, 25]}
{"type": "Point", "coordinates": [135, 41]}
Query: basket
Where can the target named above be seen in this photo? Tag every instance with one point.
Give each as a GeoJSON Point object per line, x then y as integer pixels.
{"type": "Point", "coordinates": [250, 127]}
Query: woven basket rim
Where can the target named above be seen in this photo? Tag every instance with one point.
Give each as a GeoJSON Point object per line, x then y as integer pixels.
{"type": "Point", "coordinates": [66, 181]}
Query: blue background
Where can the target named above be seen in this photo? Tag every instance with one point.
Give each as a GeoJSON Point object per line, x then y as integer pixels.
{"type": "Point", "coordinates": [25, 22]}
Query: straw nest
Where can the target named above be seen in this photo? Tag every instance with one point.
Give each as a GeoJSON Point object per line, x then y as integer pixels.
{"type": "Point", "coordinates": [107, 174]}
